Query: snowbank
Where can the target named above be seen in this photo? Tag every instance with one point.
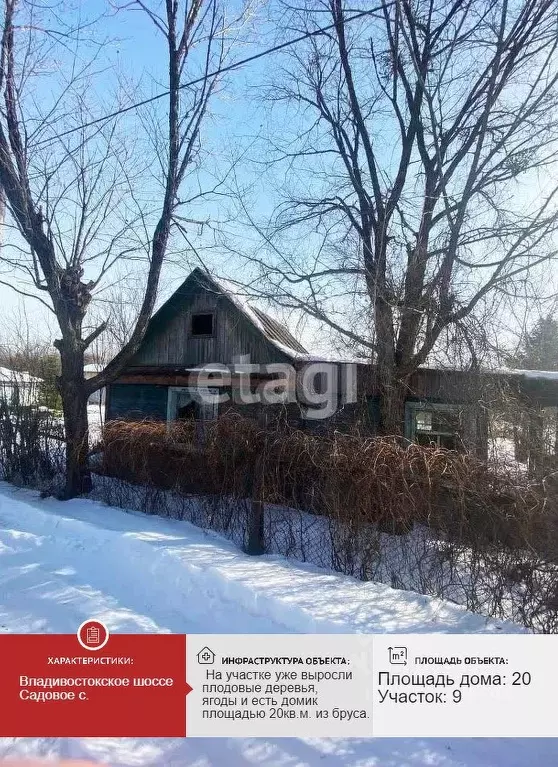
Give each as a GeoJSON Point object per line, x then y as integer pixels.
{"type": "Point", "coordinates": [176, 559]}
{"type": "Point", "coordinates": [61, 563]}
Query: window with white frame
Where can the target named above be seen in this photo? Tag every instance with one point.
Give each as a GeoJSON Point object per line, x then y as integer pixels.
{"type": "Point", "coordinates": [435, 424]}
{"type": "Point", "coordinates": [186, 403]}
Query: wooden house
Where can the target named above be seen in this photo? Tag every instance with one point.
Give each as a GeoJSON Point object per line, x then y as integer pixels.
{"type": "Point", "coordinates": [206, 327]}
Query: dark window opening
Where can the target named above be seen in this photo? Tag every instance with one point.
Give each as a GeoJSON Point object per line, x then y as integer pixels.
{"type": "Point", "coordinates": [202, 324]}
{"type": "Point", "coordinates": [183, 405]}
{"type": "Point", "coordinates": [188, 412]}
{"type": "Point", "coordinates": [448, 441]}
{"type": "Point", "coordinates": [439, 428]}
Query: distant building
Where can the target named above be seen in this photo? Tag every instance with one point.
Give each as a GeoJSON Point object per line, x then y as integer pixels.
{"type": "Point", "coordinates": [98, 397]}
{"type": "Point", "coordinates": [19, 387]}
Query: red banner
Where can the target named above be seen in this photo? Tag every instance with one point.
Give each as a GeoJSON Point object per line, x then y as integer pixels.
{"type": "Point", "coordinates": [93, 685]}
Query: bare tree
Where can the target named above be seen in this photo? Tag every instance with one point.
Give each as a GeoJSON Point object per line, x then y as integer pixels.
{"type": "Point", "coordinates": [77, 200]}
{"type": "Point", "coordinates": [23, 347]}
{"type": "Point", "coordinates": [419, 144]}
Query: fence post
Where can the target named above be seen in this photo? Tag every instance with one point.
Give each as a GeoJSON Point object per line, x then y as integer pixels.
{"type": "Point", "coordinates": [256, 544]}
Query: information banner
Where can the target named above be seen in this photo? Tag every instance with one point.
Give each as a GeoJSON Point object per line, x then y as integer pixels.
{"type": "Point", "coordinates": [423, 685]}
{"type": "Point", "coordinates": [294, 685]}
{"type": "Point", "coordinates": [93, 685]}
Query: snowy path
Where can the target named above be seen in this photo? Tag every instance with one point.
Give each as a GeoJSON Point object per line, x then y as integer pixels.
{"type": "Point", "coordinates": [62, 563]}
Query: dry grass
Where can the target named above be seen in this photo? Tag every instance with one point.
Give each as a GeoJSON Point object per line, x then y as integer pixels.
{"type": "Point", "coordinates": [457, 529]}
{"type": "Point", "coordinates": [362, 481]}
{"type": "Point", "coordinates": [463, 531]}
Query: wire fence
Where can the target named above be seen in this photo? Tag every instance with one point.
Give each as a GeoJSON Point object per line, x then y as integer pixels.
{"type": "Point", "coordinates": [419, 518]}
{"type": "Point", "coordinates": [434, 521]}
{"type": "Point", "coordinates": [31, 438]}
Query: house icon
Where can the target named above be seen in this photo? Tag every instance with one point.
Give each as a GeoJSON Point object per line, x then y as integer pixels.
{"type": "Point", "coordinates": [206, 656]}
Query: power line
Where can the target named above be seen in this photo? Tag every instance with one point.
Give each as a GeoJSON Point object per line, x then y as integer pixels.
{"type": "Point", "coordinates": [205, 77]}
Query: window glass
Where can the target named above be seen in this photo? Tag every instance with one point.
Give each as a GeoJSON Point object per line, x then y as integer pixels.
{"type": "Point", "coordinates": [186, 404]}
{"type": "Point", "coordinates": [423, 420]}
{"type": "Point", "coordinates": [437, 426]}
{"type": "Point", "coordinates": [446, 421]}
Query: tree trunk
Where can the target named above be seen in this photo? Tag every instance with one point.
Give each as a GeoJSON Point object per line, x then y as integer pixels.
{"type": "Point", "coordinates": [393, 393]}
{"type": "Point", "coordinates": [74, 396]}
{"type": "Point", "coordinates": [392, 383]}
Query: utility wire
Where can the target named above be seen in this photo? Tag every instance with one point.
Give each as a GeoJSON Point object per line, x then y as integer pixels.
{"type": "Point", "coordinates": [203, 78]}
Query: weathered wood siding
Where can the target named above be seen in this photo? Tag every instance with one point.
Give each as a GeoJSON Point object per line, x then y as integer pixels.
{"type": "Point", "coordinates": [169, 340]}
{"type": "Point", "coordinates": [169, 349]}
{"type": "Point", "coordinates": [137, 401]}
{"type": "Point", "coordinates": [430, 384]}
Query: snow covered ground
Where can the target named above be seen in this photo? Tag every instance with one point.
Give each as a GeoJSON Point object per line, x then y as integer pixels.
{"type": "Point", "coordinates": [62, 563]}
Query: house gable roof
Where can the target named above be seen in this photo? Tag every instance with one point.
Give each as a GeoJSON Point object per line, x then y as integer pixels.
{"type": "Point", "coordinates": [270, 328]}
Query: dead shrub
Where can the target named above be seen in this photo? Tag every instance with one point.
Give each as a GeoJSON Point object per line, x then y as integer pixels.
{"type": "Point", "coordinates": [421, 518]}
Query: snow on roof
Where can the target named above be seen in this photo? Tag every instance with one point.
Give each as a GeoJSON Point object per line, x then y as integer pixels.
{"type": "Point", "coordinates": [540, 375]}
{"type": "Point", "coordinates": [273, 330]}
{"type": "Point", "coordinates": [8, 376]}
{"type": "Point", "coordinates": [240, 300]}
{"type": "Point", "coordinates": [93, 367]}
{"type": "Point", "coordinates": [332, 357]}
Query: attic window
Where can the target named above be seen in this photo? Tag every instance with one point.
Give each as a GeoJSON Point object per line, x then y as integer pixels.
{"type": "Point", "coordinates": [202, 325]}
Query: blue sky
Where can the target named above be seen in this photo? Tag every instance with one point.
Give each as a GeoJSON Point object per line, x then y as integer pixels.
{"type": "Point", "coordinates": [133, 63]}
{"type": "Point", "coordinates": [135, 54]}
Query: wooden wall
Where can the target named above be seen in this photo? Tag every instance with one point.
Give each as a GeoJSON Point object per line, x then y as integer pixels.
{"type": "Point", "coordinates": [169, 348]}
{"type": "Point", "coordinates": [433, 384]}
{"type": "Point", "coordinates": [169, 340]}
{"type": "Point", "coordinates": [136, 402]}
